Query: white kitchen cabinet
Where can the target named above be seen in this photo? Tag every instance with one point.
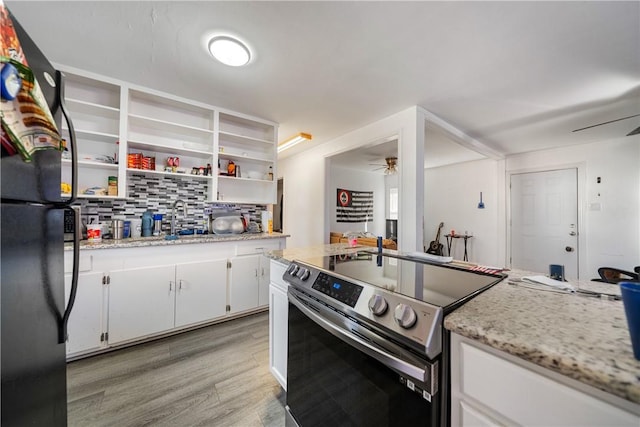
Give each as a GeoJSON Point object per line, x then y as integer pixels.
{"type": "Point", "coordinates": [251, 144]}
{"type": "Point", "coordinates": [159, 289]}
{"type": "Point", "coordinates": [160, 125]}
{"type": "Point", "coordinates": [244, 283]}
{"type": "Point", "coordinates": [263, 281]}
{"type": "Point", "coordinates": [150, 300]}
{"type": "Point", "coordinates": [141, 302]}
{"type": "Point", "coordinates": [201, 291]}
{"type": "Point", "coordinates": [489, 387]}
{"type": "Point", "coordinates": [85, 327]}
{"type": "Point", "coordinates": [94, 105]}
{"type": "Point", "coordinates": [278, 323]}
{"type": "Point", "coordinates": [248, 282]}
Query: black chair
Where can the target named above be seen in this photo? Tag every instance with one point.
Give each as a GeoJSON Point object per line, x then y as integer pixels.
{"type": "Point", "coordinates": [615, 275]}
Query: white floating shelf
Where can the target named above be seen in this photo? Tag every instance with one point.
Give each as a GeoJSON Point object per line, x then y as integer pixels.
{"type": "Point", "coordinates": [171, 174]}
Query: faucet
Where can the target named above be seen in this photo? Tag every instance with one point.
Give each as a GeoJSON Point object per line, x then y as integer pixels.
{"type": "Point", "coordinates": [173, 214]}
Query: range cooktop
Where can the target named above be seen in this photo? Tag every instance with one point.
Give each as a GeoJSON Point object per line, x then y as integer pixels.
{"type": "Point", "coordinates": [401, 298]}
{"type": "Point", "coordinates": [437, 284]}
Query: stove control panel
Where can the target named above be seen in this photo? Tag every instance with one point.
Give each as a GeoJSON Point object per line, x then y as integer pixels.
{"type": "Point", "coordinates": [338, 289]}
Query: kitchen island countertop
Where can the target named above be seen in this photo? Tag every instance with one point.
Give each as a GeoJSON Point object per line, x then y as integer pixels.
{"type": "Point", "coordinates": [182, 240]}
{"type": "Point", "coordinates": [583, 338]}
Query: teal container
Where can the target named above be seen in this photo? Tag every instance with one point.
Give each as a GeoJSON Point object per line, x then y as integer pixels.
{"type": "Point", "coordinates": [147, 224]}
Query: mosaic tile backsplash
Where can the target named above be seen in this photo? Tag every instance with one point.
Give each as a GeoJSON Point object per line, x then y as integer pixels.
{"type": "Point", "coordinates": [157, 194]}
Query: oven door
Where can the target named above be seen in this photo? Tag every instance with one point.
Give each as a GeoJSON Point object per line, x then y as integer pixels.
{"type": "Point", "coordinates": [340, 375]}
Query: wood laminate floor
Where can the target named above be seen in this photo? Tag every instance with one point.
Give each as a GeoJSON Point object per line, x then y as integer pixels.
{"type": "Point", "coordinates": [214, 376]}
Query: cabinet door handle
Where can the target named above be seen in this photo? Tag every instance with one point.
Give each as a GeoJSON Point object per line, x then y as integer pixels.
{"type": "Point", "coordinates": [170, 285]}
{"type": "Point", "coordinates": [262, 272]}
{"type": "Point", "coordinates": [180, 286]}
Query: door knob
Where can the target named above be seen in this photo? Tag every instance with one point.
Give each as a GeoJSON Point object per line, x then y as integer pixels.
{"type": "Point", "coordinates": [568, 249]}
{"type": "Point", "coordinates": [572, 233]}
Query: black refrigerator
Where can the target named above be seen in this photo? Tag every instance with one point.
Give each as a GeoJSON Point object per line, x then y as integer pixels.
{"type": "Point", "coordinates": [33, 308]}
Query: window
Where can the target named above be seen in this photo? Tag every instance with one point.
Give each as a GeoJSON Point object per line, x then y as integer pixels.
{"type": "Point", "coordinates": [393, 203]}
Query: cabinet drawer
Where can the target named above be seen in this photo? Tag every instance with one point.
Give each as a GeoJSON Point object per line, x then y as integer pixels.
{"type": "Point", "coordinates": [257, 246]}
{"type": "Point", "coordinates": [529, 398]}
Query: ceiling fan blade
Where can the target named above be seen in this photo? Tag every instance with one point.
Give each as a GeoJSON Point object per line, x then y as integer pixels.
{"type": "Point", "coordinates": [636, 131]}
{"type": "Point", "coordinates": [606, 123]}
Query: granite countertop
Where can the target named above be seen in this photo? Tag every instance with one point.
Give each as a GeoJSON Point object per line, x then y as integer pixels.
{"type": "Point", "coordinates": [182, 240]}
{"type": "Point", "coordinates": [584, 338]}
{"type": "Point", "coordinates": [287, 255]}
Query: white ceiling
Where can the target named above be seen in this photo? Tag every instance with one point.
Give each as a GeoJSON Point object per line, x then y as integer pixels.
{"type": "Point", "coordinates": [516, 76]}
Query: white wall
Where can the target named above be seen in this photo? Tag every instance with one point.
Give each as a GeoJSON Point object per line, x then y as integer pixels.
{"type": "Point", "coordinates": [303, 199]}
{"type": "Point", "coordinates": [609, 236]}
{"type": "Point", "coordinates": [451, 196]}
{"type": "Point", "coordinates": [306, 181]}
{"type": "Point", "coordinates": [358, 181]}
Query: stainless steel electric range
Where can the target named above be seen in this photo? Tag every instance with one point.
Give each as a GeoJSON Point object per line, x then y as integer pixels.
{"type": "Point", "coordinates": [366, 344]}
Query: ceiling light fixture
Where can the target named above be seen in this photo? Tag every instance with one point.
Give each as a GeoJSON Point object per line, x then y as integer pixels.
{"type": "Point", "coordinates": [229, 51]}
{"type": "Point", "coordinates": [288, 143]}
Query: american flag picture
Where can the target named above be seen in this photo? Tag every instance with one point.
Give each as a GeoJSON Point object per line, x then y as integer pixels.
{"type": "Point", "coordinates": [354, 206]}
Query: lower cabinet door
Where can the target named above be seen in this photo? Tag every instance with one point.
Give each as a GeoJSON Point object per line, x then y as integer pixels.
{"type": "Point", "coordinates": [263, 282]}
{"type": "Point", "coordinates": [141, 302]}
{"type": "Point", "coordinates": [201, 291]}
{"type": "Point", "coordinates": [84, 329]}
{"type": "Point", "coordinates": [243, 286]}
{"type": "Point", "coordinates": [473, 417]}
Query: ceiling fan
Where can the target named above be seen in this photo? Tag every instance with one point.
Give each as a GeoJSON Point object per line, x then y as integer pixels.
{"type": "Point", "coordinates": [390, 168]}
{"type": "Point", "coordinates": [633, 132]}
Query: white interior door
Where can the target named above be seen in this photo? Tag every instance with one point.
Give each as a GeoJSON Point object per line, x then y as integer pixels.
{"type": "Point", "coordinates": [544, 221]}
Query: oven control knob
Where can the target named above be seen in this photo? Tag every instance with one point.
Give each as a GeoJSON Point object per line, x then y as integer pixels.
{"type": "Point", "coordinates": [294, 269]}
{"type": "Point", "coordinates": [378, 305]}
{"type": "Point", "coordinates": [405, 316]}
{"type": "Point", "coordinates": [305, 274]}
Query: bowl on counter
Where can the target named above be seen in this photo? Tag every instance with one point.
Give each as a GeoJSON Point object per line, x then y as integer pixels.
{"type": "Point", "coordinates": [227, 225]}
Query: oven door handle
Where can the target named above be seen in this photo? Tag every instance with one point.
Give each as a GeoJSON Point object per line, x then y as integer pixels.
{"type": "Point", "coordinates": [381, 356]}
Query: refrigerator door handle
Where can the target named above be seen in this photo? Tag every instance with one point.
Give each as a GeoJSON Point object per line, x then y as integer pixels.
{"type": "Point", "coordinates": [72, 139]}
{"type": "Point", "coordinates": [62, 329]}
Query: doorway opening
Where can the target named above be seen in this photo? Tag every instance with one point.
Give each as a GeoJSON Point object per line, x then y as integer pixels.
{"type": "Point", "coordinates": [278, 208]}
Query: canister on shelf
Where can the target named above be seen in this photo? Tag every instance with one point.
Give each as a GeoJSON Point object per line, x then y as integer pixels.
{"type": "Point", "coordinates": [113, 186]}
{"type": "Point", "coordinates": [149, 163]}
{"type": "Point", "coordinates": [134, 160]}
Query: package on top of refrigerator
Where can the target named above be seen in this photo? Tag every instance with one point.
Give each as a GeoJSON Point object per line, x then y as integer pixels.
{"type": "Point", "coordinates": [27, 122]}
